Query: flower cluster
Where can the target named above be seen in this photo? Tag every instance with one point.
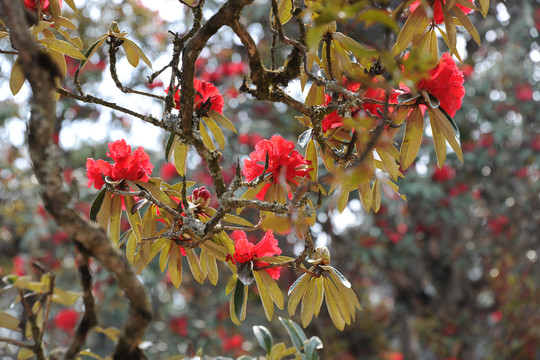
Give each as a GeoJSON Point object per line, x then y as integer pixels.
{"type": "Point", "coordinates": [445, 82]}
{"type": "Point", "coordinates": [334, 120]}
{"type": "Point", "coordinates": [126, 166]}
{"type": "Point", "coordinates": [245, 251]}
{"type": "Point", "coordinates": [284, 163]}
{"type": "Point", "coordinates": [207, 97]}
{"type": "Point", "coordinates": [437, 9]}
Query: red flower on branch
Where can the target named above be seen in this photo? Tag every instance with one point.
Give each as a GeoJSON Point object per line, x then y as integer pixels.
{"type": "Point", "coordinates": [31, 4]}
{"type": "Point", "coordinates": [127, 166]}
{"type": "Point", "coordinates": [207, 97]}
{"type": "Point", "coordinates": [445, 82]}
{"type": "Point", "coordinates": [284, 163]}
{"type": "Point", "coordinates": [66, 320]}
{"type": "Point", "coordinates": [437, 10]}
{"type": "Point", "coordinates": [245, 251]}
{"type": "Point", "coordinates": [334, 120]}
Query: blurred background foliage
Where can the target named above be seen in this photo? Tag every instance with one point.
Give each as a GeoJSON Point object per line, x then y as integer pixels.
{"type": "Point", "coordinates": [450, 274]}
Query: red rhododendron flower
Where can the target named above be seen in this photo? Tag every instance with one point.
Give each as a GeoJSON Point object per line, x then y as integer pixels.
{"type": "Point", "coordinates": [178, 325]}
{"type": "Point", "coordinates": [31, 4]}
{"type": "Point", "coordinates": [334, 120]}
{"type": "Point", "coordinates": [245, 251]}
{"type": "Point", "coordinates": [285, 163]}
{"type": "Point", "coordinates": [207, 96]}
{"type": "Point", "coordinates": [445, 173]}
{"type": "Point", "coordinates": [524, 92]}
{"type": "Point", "coordinates": [168, 172]}
{"type": "Point", "coordinates": [200, 196]}
{"type": "Point", "coordinates": [445, 82]}
{"type": "Point", "coordinates": [66, 319]}
{"type": "Point", "coordinates": [437, 10]}
{"type": "Point", "coordinates": [127, 166]}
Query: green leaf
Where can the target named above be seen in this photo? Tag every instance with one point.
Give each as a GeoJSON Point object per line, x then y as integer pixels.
{"type": "Point", "coordinates": [273, 289]}
{"type": "Point", "coordinates": [245, 272]}
{"type": "Point", "coordinates": [295, 333]}
{"type": "Point", "coordinates": [17, 78]}
{"type": "Point", "coordinates": [233, 219]}
{"type": "Point", "coordinates": [194, 265]}
{"type": "Point", "coordinates": [64, 22]}
{"type": "Point", "coordinates": [333, 307]}
{"type": "Point", "coordinates": [240, 300]}
{"type": "Point", "coordinates": [450, 29]}
{"type": "Point", "coordinates": [91, 50]}
{"type": "Point", "coordinates": [284, 11]}
{"type": "Point", "coordinates": [263, 337]}
{"type": "Point", "coordinates": [64, 47]}
{"type": "Point", "coordinates": [310, 346]}
{"type": "Point", "coordinates": [96, 205]}
{"type": "Point", "coordinates": [168, 147]}
{"type": "Point", "coordinates": [175, 265]}
{"type": "Point", "coordinates": [296, 292]}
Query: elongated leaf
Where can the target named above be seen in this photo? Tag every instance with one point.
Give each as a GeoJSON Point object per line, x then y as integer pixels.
{"type": "Point", "coordinates": [320, 296]}
{"type": "Point", "coordinates": [164, 255]}
{"type": "Point", "coordinates": [205, 137]}
{"type": "Point", "coordinates": [264, 338]}
{"type": "Point", "coordinates": [466, 22]}
{"type": "Point", "coordinates": [25, 353]}
{"type": "Point", "coordinates": [216, 131]}
{"type": "Point", "coordinates": [273, 289]}
{"type": "Point", "coordinates": [284, 11]}
{"type": "Point", "coordinates": [221, 120]}
{"type": "Point", "coordinates": [168, 147]}
{"type": "Point", "coordinates": [447, 130]}
{"type": "Point", "coordinates": [296, 292]}
{"type": "Point", "coordinates": [312, 344]}
{"type": "Point", "coordinates": [131, 54]}
{"type": "Point", "coordinates": [8, 321]}
{"type": "Point", "coordinates": [17, 78]}
{"type": "Point", "coordinates": [414, 130]}
{"type": "Point", "coordinates": [245, 272]}
{"type": "Point", "coordinates": [295, 333]}
{"type": "Point", "coordinates": [415, 25]}
{"type": "Point", "coordinates": [376, 195]}
{"type": "Point", "coordinates": [450, 28]}
{"type": "Point", "coordinates": [266, 298]}
{"type": "Point", "coordinates": [337, 275]}
{"type": "Point", "coordinates": [96, 205]}
{"type": "Point", "coordinates": [64, 47]}
{"type": "Point", "coordinates": [333, 307]}
{"type": "Point", "coordinates": [91, 50]}
{"type": "Point", "coordinates": [114, 219]}
{"type": "Point", "coordinates": [215, 250]}
{"type": "Point", "coordinates": [239, 300]}
{"type": "Point", "coordinates": [138, 50]}
{"type": "Point", "coordinates": [64, 22]}
{"type": "Point", "coordinates": [133, 218]}
{"type": "Point", "coordinates": [211, 266]}
{"type": "Point", "coordinates": [71, 4]}
{"type": "Point", "coordinates": [131, 247]}
{"type": "Point", "coordinates": [194, 265]}
{"type": "Point", "coordinates": [438, 139]}
{"type": "Point", "coordinates": [308, 302]}
{"type": "Point", "coordinates": [233, 219]}
{"type": "Point", "coordinates": [311, 156]}
{"type": "Point", "coordinates": [175, 265]}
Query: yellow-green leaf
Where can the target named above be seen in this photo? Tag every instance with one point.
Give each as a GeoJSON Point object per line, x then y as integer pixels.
{"type": "Point", "coordinates": [466, 22]}
{"type": "Point", "coordinates": [444, 126]}
{"type": "Point", "coordinates": [414, 130]}
{"type": "Point", "coordinates": [175, 265]}
{"type": "Point", "coordinates": [16, 79]}
{"type": "Point", "coordinates": [71, 4]}
{"type": "Point", "coordinates": [205, 137]}
{"type": "Point", "coordinates": [55, 8]}
{"type": "Point", "coordinates": [66, 298]}
{"type": "Point", "coordinates": [139, 52]}
{"type": "Point", "coordinates": [111, 332]}
{"type": "Point", "coordinates": [266, 298]}
{"type": "Point", "coordinates": [64, 22]}
{"type": "Point", "coordinates": [216, 131]}
{"type": "Point", "coordinates": [308, 302]}
{"type": "Point", "coordinates": [91, 50]}
{"type": "Point", "coordinates": [296, 292]}
{"type": "Point", "coordinates": [333, 307]}
{"type": "Point", "coordinates": [438, 139]}
{"type": "Point", "coordinates": [64, 47]}
{"type": "Point", "coordinates": [415, 25]}
{"type": "Point", "coordinates": [164, 255]}
{"type": "Point", "coordinates": [25, 353]}
{"type": "Point", "coordinates": [320, 296]}
{"type": "Point", "coordinates": [105, 212]}
{"type": "Point", "coordinates": [39, 27]}
{"type": "Point", "coordinates": [194, 265]}
{"type": "Point", "coordinates": [273, 288]}
{"type": "Point", "coordinates": [114, 219]}
{"type": "Point", "coordinates": [221, 120]}
{"type": "Point", "coordinates": [8, 321]}
{"type": "Point", "coordinates": [376, 195]}
{"type": "Point", "coordinates": [233, 219]}
{"type": "Point", "coordinates": [131, 54]}
{"type": "Point", "coordinates": [450, 29]}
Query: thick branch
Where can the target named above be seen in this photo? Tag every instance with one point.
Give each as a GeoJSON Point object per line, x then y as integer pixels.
{"type": "Point", "coordinates": [40, 74]}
